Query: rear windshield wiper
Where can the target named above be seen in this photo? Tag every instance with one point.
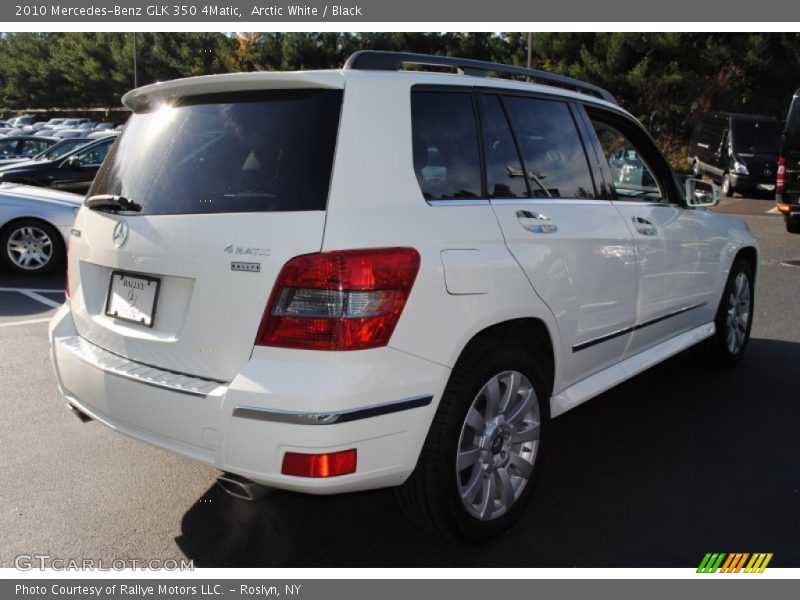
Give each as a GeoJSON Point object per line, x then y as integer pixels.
{"type": "Point", "coordinates": [111, 203]}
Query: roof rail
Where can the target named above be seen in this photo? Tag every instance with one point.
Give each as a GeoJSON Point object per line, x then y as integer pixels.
{"type": "Point", "coordinates": [378, 60]}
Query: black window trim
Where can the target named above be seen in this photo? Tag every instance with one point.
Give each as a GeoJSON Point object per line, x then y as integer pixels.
{"type": "Point", "coordinates": [660, 168]}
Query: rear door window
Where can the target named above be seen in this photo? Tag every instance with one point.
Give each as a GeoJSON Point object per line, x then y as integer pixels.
{"type": "Point", "coordinates": [445, 144]}
{"type": "Point", "coordinates": [234, 152]}
{"type": "Point", "coordinates": [551, 148]}
{"type": "Point", "coordinates": [505, 177]}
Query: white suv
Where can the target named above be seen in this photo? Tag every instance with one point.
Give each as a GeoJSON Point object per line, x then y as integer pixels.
{"type": "Point", "coordinates": [330, 281]}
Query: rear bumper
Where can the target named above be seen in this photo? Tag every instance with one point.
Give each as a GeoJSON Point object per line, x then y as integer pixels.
{"type": "Point", "coordinates": [380, 402]}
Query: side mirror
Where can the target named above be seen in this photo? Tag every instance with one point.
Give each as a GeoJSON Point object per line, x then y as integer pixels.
{"type": "Point", "coordinates": [73, 162]}
{"type": "Point", "coordinates": [701, 193]}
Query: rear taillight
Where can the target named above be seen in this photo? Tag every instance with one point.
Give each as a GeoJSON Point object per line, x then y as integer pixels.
{"type": "Point", "coordinates": [344, 300]}
{"type": "Point", "coordinates": [781, 173]}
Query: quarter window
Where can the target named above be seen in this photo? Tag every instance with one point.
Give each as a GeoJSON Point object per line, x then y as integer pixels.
{"type": "Point", "coordinates": [445, 143]}
{"type": "Point", "coordinates": [551, 148]}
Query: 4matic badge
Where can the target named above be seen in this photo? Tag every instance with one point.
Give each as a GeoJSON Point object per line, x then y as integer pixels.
{"type": "Point", "coordinates": [246, 250]}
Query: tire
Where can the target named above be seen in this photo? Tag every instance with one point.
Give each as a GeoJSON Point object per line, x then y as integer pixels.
{"type": "Point", "coordinates": [793, 225]}
{"type": "Point", "coordinates": [727, 188]}
{"type": "Point", "coordinates": [731, 315]}
{"type": "Point", "coordinates": [31, 246]}
{"type": "Point", "coordinates": [432, 495]}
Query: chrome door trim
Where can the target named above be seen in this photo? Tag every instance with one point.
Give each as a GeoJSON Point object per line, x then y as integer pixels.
{"type": "Point", "coordinates": [632, 328]}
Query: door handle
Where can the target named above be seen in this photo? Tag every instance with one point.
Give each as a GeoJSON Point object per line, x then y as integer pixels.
{"type": "Point", "coordinates": [536, 222]}
{"type": "Point", "coordinates": [644, 226]}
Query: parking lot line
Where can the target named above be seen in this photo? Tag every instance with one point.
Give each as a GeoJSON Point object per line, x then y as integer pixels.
{"type": "Point", "coordinates": [28, 322]}
{"type": "Point", "coordinates": [34, 290]}
{"type": "Point", "coordinates": [40, 298]}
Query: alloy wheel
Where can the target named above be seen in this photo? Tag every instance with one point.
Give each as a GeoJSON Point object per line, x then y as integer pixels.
{"type": "Point", "coordinates": [738, 314]}
{"type": "Point", "coordinates": [29, 248]}
{"type": "Point", "coordinates": [498, 445]}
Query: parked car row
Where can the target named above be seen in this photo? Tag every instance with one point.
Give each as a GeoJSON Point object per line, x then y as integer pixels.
{"type": "Point", "coordinates": [59, 127]}
{"type": "Point", "coordinates": [35, 221]}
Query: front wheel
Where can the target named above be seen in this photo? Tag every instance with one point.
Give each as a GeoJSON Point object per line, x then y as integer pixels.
{"type": "Point", "coordinates": [727, 187]}
{"type": "Point", "coordinates": [793, 225]}
{"type": "Point", "coordinates": [734, 315]}
{"type": "Point", "coordinates": [481, 461]}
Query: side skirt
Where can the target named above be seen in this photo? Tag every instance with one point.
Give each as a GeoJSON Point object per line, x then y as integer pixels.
{"type": "Point", "coordinates": [604, 380]}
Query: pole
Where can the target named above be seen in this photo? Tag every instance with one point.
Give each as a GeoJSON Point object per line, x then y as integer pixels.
{"type": "Point", "coordinates": [135, 76]}
{"type": "Point", "coordinates": [530, 49]}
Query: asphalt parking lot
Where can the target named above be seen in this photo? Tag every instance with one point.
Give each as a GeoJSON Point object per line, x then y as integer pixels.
{"type": "Point", "coordinates": [680, 461]}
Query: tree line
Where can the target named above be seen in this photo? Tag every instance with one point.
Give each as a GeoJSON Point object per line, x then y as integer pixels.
{"type": "Point", "coordinates": [665, 79]}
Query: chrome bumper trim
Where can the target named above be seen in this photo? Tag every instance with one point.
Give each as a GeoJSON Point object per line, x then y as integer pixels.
{"type": "Point", "coordinates": [329, 418]}
{"type": "Point", "coordinates": [114, 364]}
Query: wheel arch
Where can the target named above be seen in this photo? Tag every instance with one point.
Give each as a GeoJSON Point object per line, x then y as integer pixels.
{"type": "Point", "coordinates": [36, 217]}
{"type": "Point", "coordinates": [529, 332]}
{"type": "Point", "coordinates": [749, 254]}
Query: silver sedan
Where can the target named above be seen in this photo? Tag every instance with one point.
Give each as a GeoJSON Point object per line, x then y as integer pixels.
{"type": "Point", "coordinates": [35, 225]}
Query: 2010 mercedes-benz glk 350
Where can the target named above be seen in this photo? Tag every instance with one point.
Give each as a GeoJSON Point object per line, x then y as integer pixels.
{"type": "Point", "coordinates": [330, 281]}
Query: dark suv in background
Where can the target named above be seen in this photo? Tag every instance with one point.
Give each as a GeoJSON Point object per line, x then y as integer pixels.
{"type": "Point", "coordinates": [740, 152]}
{"type": "Point", "coordinates": [787, 189]}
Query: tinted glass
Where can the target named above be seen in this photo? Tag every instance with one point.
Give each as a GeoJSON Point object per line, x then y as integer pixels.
{"type": "Point", "coordinates": [95, 154]}
{"type": "Point", "coordinates": [60, 149]}
{"type": "Point", "coordinates": [631, 176]}
{"type": "Point", "coordinates": [504, 175]}
{"type": "Point", "coordinates": [445, 142]}
{"type": "Point", "coordinates": [8, 147]}
{"type": "Point", "coordinates": [33, 147]}
{"type": "Point", "coordinates": [243, 152]}
{"type": "Point", "coordinates": [551, 148]}
{"type": "Point", "coordinates": [750, 136]}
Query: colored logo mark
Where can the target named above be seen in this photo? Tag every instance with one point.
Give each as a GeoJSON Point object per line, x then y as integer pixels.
{"type": "Point", "coordinates": [720, 562]}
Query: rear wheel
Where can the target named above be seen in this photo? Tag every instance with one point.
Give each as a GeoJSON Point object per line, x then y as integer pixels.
{"type": "Point", "coordinates": [734, 316]}
{"type": "Point", "coordinates": [481, 460]}
{"type": "Point", "coordinates": [727, 187]}
{"type": "Point", "coordinates": [31, 246]}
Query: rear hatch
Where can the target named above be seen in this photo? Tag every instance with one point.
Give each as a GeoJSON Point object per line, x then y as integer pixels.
{"type": "Point", "coordinates": [220, 188]}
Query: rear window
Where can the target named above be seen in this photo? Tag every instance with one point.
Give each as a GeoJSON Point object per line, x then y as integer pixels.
{"type": "Point", "coordinates": [221, 153]}
{"type": "Point", "coordinates": [751, 136]}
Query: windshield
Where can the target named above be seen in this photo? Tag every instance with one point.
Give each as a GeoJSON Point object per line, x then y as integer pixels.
{"type": "Point", "coordinates": [240, 152]}
{"type": "Point", "coordinates": [755, 137]}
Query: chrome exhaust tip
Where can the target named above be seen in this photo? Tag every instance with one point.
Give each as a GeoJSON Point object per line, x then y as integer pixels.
{"type": "Point", "coordinates": [241, 487]}
{"type": "Point", "coordinates": [82, 416]}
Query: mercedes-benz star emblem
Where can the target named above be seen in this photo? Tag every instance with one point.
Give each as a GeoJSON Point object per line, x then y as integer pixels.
{"type": "Point", "coordinates": [120, 233]}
